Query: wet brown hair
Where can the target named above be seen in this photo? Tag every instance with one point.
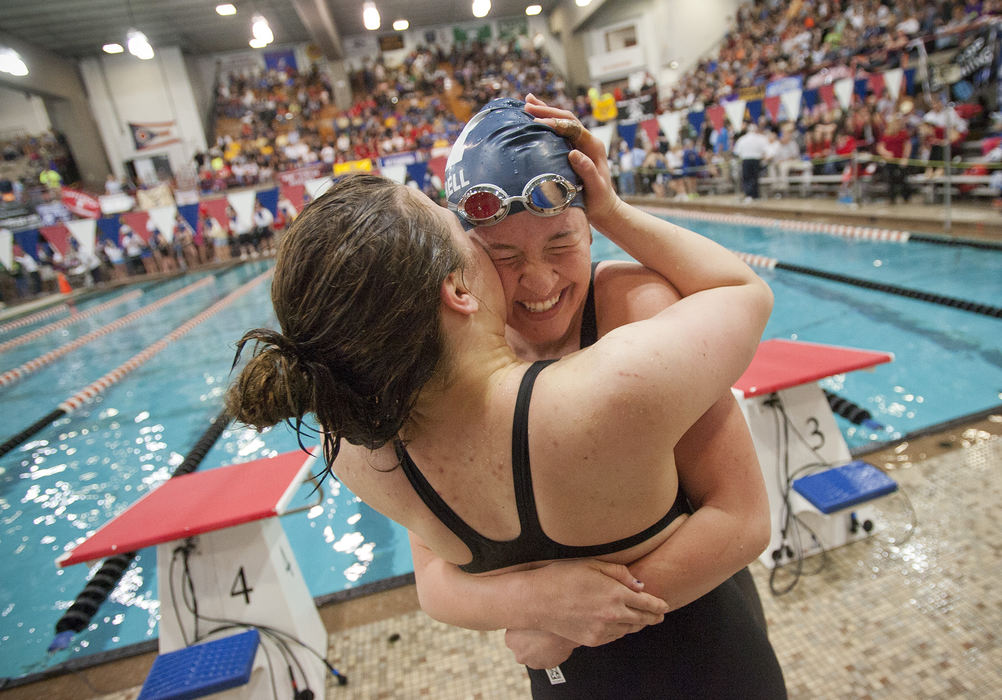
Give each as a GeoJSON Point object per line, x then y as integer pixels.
{"type": "Point", "coordinates": [356, 291]}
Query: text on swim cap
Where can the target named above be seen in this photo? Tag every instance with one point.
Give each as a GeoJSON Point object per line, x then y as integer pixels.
{"type": "Point", "coordinates": [455, 181]}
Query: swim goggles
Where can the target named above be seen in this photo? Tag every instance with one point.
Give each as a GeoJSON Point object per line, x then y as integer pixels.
{"type": "Point", "coordinates": [544, 195]}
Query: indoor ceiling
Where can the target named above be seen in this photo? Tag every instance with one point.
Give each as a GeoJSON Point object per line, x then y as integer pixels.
{"type": "Point", "coordinates": [78, 28]}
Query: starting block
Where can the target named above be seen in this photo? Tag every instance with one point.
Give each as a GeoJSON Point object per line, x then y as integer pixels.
{"type": "Point", "coordinates": [780, 386]}
{"type": "Point", "coordinates": [216, 533]}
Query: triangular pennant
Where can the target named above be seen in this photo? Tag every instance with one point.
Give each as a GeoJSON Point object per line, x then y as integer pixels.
{"type": "Point", "coordinates": [892, 81]}
{"type": "Point", "coordinates": [395, 171]}
{"type": "Point", "coordinates": [136, 220]}
{"type": "Point", "coordinates": [716, 116]}
{"type": "Point", "coordinates": [827, 94]}
{"type": "Point", "coordinates": [216, 208]}
{"type": "Point", "coordinates": [909, 81]}
{"type": "Point", "coordinates": [296, 194]}
{"type": "Point", "coordinates": [189, 212]}
{"type": "Point", "coordinates": [843, 90]}
{"type": "Point", "coordinates": [860, 88]}
{"type": "Point", "coordinates": [6, 248]}
{"type": "Point", "coordinates": [163, 219]}
{"type": "Point", "coordinates": [791, 103]}
{"type": "Point", "coordinates": [696, 119]}
{"type": "Point", "coordinates": [670, 123]}
{"type": "Point", "coordinates": [58, 237]}
{"type": "Point", "coordinates": [269, 199]}
{"type": "Point", "coordinates": [437, 167]}
{"type": "Point", "coordinates": [735, 113]}
{"type": "Point", "coordinates": [772, 105]}
{"type": "Point", "coordinates": [84, 231]}
{"type": "Point", "coordinates": [810, 98]}
{"type": "Point", "coordinates": [603, 133]}
{"type": "Point", "coordinates": [243, 204]}
{"type": "Point", "coordinates": [317, 186]}
{"type": "Point", "coordinates": [417, 171]}
{"type": "Point", "coordinates": [754, 110]}
{"type": "Point", "coordinates": [876, 84]}
{"type": "Point", "coordinates": [650, 127]}
{"type": "Point", "coordinates": [627, 132]}
{"type": "Point", "coordinates": [107, 229]}
{"type": "Point", "coordinates": [28, 240]}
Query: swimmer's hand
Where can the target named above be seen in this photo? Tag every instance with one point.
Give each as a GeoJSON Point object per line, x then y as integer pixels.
{"type": "Point", "coordinates": [589, 602]}
{"type": "Point", "coordinates": [588, 159]}
{"type": "Point", "coordinates": [537, 649]}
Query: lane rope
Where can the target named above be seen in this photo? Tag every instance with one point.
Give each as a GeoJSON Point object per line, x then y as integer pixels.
{"type": "Point", "coordinates": [63, 322]}
{"type": "Point", "coordinates": [766, 262]}
{"type": "Point", "coordinates": [13, 375]}
{"type": "Point", "coordinates": [32, 318]}
{"type": "Point", "coordinates": [89, 392]}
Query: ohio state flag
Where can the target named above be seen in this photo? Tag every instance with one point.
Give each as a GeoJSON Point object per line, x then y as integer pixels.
{"type": "Point", "coordinates": [148, 135]}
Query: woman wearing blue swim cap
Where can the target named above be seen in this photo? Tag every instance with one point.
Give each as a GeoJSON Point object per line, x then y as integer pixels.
{"type": "Point", "coordinates": [544, 265]}
{"type": "Point", "coordinates": [417, 378]}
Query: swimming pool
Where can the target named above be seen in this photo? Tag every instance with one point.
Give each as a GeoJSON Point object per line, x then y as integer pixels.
{"type": "Point", "coordinates": [74, 475]}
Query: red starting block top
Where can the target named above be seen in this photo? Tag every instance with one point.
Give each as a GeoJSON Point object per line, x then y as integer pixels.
{"type": "Point", "coordinates": [781, 364]}
{"type": "Point", "coordinates": [198, 502]}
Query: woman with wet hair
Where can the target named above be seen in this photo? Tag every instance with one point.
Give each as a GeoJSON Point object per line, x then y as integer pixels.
{"type": "Point", "coordinates": [393, 335]}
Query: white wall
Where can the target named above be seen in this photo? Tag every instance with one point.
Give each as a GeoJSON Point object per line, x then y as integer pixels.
{"type": "Point", "coordinates": [123, 89]}
{"type": "Point", "coordinates": [22, 111]}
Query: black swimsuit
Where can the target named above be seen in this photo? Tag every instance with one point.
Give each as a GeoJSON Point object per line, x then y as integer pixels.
{"type": "Point", "coordinates": [532, 544]}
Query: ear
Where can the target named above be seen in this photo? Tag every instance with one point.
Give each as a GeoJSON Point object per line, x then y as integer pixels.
{"type": "Point", "coordinates": [456, 296]}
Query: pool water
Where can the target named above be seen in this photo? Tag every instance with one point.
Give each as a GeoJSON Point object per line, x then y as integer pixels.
{"type": "Point", "coordinates": [74, 475]}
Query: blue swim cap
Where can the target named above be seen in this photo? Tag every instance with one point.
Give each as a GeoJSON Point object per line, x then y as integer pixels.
{"type": "Point", "coordinates": [502, 145]}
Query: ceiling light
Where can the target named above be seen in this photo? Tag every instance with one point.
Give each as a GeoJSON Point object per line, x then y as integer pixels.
{"type": "Point", "coordinates": [533, 10]}
{"type": "Point", "coordinates": [10, 62]}
{"type": "Point", "coordinates": [481, 8]}
{"type": "Point", "coordinates": [261, 29]}
{"type": "Point", "coordinates": [139, 45]}
{"type": "Point", "coordinates": [112, 48]}
{"type": "Point", "coordinates": [582, 3]}
{"type": "Point", "coordinates": [257, 44]}
{"type": "Point", "coordinates": [226, 9]}
{"type": "Point", "coordinates": [401, 24]}
{"type": "Point", "coordinates": [370, 16]}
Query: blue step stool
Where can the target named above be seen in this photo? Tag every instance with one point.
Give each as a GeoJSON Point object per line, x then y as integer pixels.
{"type": "Point", "coordinates": [842, 487]}
{"type": "Point", "coordinates": [202, 669]}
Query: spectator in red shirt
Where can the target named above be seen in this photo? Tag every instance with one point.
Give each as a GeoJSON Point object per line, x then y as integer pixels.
{"type": "Point", "coordinates": [895, 146]}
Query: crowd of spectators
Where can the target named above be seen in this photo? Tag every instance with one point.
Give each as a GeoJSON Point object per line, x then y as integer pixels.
{"type": "Point", "coordinates": [899, 140]}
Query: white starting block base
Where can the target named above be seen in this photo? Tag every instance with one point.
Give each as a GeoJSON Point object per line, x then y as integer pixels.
{"type": "Point", "coordinates": [247, 574]}
{"type": "Point", "coordinates": [809, 414]}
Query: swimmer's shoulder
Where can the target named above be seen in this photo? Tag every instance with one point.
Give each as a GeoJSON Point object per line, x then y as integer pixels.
{"type": "Point", "coordinates": [626, 292]}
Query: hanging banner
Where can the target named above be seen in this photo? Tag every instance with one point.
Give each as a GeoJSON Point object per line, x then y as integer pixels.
{"type": "Point", "coordinates": [843, 90]}
{"type": "Point", "coordinates": [772, 106]}
{"type": "Point", "coordinates": [603, 133]}
{"type": "Point", "coordinates": [716, 116]}
{"type": "Point", "coordinates": [635, 109]}
{"type": "Point", "coordinates": [754, 110]}
{"type": "Point", "coordinates": [243, 205]}
{"type": "Point", "coordinates": [650, 127]}
{"type": "Point", "coordinates": [6, 248]}
{"type": "Point", "coordinates": [269, 200]}
{"type": "Point", "coordinates": [28, 240]}
{"type": "Point", "coordinates": [670, 123]}
{"type": "Point", "coordinates": [84, 232]}
{"type": "Point", "coordinates": [827, 95]}
{"type": "Point", "coordinates": [791, 103]}
{"type": "Point", "coordinates": [136, 220]}
{"type": "Point", "coordinates": [352, 166]}
{"type": "Point", "coordinates": [876, 84]}
{"type": "Point", "coordinates": [696, 120]}
{"type": "Point", "coordinates": [149, 135]}
{"type": "Point", "coordinates": [58, 237]}
{"type": "Point", "coordinates": [301, 176]}
{"type": "Point", "coordinates": [628, 133]}
{"type": "Point", "coordinates": [892, 81]}
{"type": "Point", "coordinates": [316, 187]}
{"type": "Point", "coordinates": [216, 208]}
{"type": "Point", "coordinates": [735, 110]}
{"type": "Point", "coordinates": [296, 195]}
{"type": "Point", "coordinates": [162, 218]}
{"type": "Point", "coordinates": [80, 203]}
{"type": "Point", "coordinates": [157, 196]}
